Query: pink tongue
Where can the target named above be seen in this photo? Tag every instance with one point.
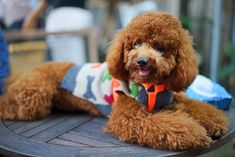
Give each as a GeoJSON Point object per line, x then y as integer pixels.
{"type": "Point", "coordinates": [144, 72]}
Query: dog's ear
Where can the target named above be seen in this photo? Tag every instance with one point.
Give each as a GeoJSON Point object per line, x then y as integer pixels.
{"type": "Point", "coordinates": [115, 58]}
{"type": "Point", "coordinates": [186, 65]}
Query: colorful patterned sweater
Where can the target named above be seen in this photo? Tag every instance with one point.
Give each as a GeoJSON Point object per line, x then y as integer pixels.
{"type": "Point", "coordinates": [94, 83]}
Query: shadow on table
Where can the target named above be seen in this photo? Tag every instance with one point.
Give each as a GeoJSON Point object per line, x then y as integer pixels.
{"type": "Point", "coordinates": [227, 150]}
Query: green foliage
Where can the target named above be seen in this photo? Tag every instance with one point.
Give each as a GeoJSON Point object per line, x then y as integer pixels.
{"type": "Point", "coordinates": [230, 51]}
{"type": "Point", "coordinates": [228, 70]}
{"type": "Point", "coordinates": [186, 22]}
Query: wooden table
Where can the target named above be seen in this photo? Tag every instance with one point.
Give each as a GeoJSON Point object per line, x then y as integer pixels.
{"type": "Point", "coordinates": [66, 134]}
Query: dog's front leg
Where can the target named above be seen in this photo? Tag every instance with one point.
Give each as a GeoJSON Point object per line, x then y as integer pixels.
{"type": "Point", "coordinates": [130, 122]}
{"type": "Point", "coordinates": [212, 119]}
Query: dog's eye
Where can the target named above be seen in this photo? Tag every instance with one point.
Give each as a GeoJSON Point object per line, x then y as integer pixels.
{"type": "Point", "coordinates": [136, 45]}
{"type": "Point", "coordinates": [160, 48]}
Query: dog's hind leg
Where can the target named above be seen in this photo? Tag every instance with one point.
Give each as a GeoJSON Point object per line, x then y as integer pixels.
{"type": "Point", "coordinates": [130, 122]}
{"type": "Point", "coordinates": [30, 96]}
{"type": "Point", "coordinates": [27, 99]}
{"type": "Point", "coordinates": [66, 101]}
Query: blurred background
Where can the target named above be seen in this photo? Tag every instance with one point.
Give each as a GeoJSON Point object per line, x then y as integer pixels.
{"type": "Point", "coordinates": [38, 31]}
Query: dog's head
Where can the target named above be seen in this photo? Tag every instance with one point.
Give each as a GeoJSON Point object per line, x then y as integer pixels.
{"type": "Point", "coordinates": [153, 48]}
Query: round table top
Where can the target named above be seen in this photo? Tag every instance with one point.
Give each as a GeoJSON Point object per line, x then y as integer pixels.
{"type": "Point", "coordinates": [65, 134]}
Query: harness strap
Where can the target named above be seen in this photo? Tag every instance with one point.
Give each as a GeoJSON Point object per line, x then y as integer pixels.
{"type": "Point", "coordinates": [152, 95]}
{"type": "Point", "coordinates": [115, 84]}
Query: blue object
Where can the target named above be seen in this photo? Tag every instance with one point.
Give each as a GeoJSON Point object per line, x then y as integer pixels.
{"type": "Point", "coordinates": [205, 90]}
{"type": "Point", "coordinates": [4, 61]}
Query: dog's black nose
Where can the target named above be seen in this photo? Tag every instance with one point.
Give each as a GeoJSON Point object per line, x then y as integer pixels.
{"type": "Point", "coordinates": [142, 62]}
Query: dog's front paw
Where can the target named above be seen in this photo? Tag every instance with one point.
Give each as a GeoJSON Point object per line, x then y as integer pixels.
{"type": "Point", "coordinates": [216, 125]}
{"type": "Point", "coordinates": [179, 133]}
{"type": "Point", "coordinates": [212, 119]}
{"type": "Point", "coordinates": [184, 138]}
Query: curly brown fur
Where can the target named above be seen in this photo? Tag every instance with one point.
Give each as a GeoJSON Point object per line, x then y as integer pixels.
{"type": "Point", "coordinates": [167, 49]}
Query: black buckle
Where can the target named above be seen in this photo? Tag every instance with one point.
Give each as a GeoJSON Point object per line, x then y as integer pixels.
{"type": "Point", "coordinates": [151, 89]}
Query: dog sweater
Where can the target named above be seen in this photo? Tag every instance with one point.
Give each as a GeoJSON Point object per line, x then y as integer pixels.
{"type": "Point", "coordinates": [93, 82]}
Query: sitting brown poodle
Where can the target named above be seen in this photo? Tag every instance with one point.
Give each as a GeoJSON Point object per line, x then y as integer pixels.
{"type": "Point", "coordinates": [152, 52]}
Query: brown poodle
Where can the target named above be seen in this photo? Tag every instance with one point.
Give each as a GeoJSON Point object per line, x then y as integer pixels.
{"type": "Point", "coordinates": [154, 49]}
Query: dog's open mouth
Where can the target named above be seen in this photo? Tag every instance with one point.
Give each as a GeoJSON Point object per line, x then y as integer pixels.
{"type": "Point", "coordinates": [144, 73]}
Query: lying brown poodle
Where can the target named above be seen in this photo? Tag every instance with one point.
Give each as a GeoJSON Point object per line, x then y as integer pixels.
{"type": "Point", "coordinates": [153, 49]}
